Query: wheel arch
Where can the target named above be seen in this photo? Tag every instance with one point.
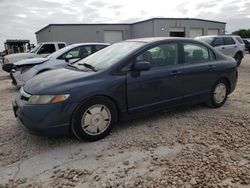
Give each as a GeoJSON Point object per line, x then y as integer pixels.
{"type": "Point", "coordinates": [227, 81]}
{"type": "Point", "coordinates": [239, 52]}
{"type": "Point", "coordinates": [92, 97]}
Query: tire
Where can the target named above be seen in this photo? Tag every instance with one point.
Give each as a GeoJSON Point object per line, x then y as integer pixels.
{"type": "Point", "coordinates": [216, 100]}
{"type": "Point", "coordinates": [94, 119]}
{"type": "Point", "coordinates": [238, 57]}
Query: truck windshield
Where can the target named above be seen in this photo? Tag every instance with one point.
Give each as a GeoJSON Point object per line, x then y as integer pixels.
{"type": "Point", "coordinates": [34, 50]}
{"type": "Point", "coordinates": [110, 55]}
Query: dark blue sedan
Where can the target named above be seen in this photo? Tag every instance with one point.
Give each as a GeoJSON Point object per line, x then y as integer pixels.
{"type": "Point", "coordinates": [124, 80]}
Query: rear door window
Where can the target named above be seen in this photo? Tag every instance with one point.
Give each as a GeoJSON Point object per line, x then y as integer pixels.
{"type": "Point", "coordinates": [99, 47]}
{"type": "Point", "coordinates": [229, 41]}
{"type": "Point", "coordinates": [196, 53]}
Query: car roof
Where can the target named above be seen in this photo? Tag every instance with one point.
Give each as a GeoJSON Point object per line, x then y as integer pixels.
{"type": "Point", "coordinates": [89, 43]}
{"type": "Point", "coordinates": [156, 39]}
{"type": "Point", "coordinates": [218, 36]}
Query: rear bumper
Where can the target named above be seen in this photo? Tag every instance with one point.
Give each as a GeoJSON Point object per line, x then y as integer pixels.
{"type": "Point", "coordinates": [233, 81]}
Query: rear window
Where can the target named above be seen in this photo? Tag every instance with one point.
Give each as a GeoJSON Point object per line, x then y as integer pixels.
{"type": "Point", "coordinates": [229, 40]}
{"type": "Point", "coordinates": [61, 45]}
{"type": "Point", "coordinates": [239, 40]}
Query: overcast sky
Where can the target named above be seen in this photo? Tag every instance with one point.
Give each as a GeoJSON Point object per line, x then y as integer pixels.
{"type": "Point", "coordinates": [20, 19]}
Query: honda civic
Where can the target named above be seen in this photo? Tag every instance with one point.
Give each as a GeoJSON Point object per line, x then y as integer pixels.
{"type": "Point", "coordinates": [127, 79]}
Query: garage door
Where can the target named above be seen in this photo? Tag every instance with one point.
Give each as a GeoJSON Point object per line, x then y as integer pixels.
{"type": "Point", "coordinates": [212, 31]}
{"type": "Point", "coordinates": [195, 32]}
{"type": "Point", "coordinates": [177, 32]}
{"type": "Point", "coordinates": [112, 36]}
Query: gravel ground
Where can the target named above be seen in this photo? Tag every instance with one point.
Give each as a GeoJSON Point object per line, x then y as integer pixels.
{"type": "Point", "coordinates": [188, 147]}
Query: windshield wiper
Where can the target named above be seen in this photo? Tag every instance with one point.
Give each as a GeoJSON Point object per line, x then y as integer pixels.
{"type": "Point", "coordinates": [88, 66]}
{"type": "Point", "coordinates": [70, 65]}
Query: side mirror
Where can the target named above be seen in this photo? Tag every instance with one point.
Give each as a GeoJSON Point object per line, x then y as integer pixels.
{"type": "Point", "coordinates": [141, 66]}
{"type": "Point", "coordinates": [68, 57]}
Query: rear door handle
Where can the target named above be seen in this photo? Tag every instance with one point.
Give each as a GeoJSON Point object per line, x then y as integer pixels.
{"type": "Point", "coordinates": [175, 73]}
{"type": "Point", "coordinates": [211, 67]}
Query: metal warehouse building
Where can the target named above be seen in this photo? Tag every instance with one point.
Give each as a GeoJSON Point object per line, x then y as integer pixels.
{"type": "Point", "coordinates": [110, 33]}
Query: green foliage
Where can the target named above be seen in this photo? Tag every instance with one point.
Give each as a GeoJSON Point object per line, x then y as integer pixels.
{"type": "Point", "coordinates": [244, 33]}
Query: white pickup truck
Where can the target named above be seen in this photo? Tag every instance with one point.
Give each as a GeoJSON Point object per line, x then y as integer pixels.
{"type": "Point", "coordinates": [42, 49]}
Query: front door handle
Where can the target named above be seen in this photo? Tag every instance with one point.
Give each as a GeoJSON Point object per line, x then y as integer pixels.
{"type": "Point", "coordinates": [175, 73]}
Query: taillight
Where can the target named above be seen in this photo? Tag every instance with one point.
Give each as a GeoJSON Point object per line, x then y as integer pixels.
{"type": "Point", "coordinates": [26, 68]}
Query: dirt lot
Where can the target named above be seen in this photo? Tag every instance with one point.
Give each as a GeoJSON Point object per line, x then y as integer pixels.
{"type": "Point", "coordinates": [189, 147]}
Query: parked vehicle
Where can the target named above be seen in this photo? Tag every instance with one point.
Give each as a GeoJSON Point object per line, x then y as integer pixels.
{"type": "Point", "coordinates": [42, 49]}
{"type": "Point", "coordinates": [26, 69]}
{"type": "Point", "coordinates": [247, 44]}
{"type": "Point", "coordinates": [229, 45]}
{"type": "Point", "coordinates": [126, 79]}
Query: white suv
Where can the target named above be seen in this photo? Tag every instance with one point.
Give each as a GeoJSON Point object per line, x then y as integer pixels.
{"type": "Point", "coordinates": [230, 45]}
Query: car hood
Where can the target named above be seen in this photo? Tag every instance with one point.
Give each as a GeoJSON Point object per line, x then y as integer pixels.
{"type": "Point", "coordinates": [57, 81]}
{"type": "Point", "coordinates": [12, 58]}
{"type": "Point", "coordinates": [31, 61]}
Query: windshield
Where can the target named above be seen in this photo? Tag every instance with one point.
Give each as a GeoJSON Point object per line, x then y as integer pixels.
{"type": "Point", "coordinates": [207, 40]}
{"type": "Point", "coordinates": [110, 55]}
{"type": "Point", "coordinates": [34, 50]}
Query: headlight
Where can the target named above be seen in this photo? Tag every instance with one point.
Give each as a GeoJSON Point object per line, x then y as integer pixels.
{"type": "Point", "coordinates": [5, 61]}
{"type": "Point", "coordinates": [47, 99]}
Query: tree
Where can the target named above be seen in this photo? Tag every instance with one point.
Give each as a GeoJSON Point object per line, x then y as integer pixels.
{"type": "Point", "coordinates": [244, 33]}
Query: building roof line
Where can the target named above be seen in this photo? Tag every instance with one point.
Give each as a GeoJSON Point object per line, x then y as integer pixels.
{"type": "Point", "coordinates": [129, 24]}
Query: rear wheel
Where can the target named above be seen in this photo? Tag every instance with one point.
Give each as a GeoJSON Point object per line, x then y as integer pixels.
{"type": "Point", "coordinates": [238, 57]}
{"type": "Point", "coordinates": [94, 119]}
{"type": "Point", "coordinates": [218, 94]}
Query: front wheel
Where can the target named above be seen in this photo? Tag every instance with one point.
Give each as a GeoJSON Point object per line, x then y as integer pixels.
{"type": "Point", "coordinates": [218, 94]}
{"type": "Point", "coordinates": [94, 119]}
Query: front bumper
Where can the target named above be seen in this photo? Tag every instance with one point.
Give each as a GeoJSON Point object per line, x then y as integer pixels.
{"type": "Point", "coordinates": [45, 120]}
